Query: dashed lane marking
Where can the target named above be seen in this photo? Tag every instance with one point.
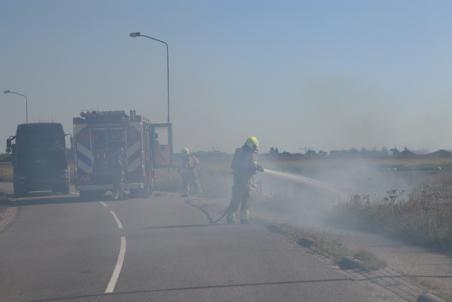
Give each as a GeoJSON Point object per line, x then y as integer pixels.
{"type": "Point", "coordinates": [118, 222]}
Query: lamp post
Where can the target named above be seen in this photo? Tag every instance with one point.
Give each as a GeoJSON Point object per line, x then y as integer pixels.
{"type": "Point", "coordinates": [138, 34]}
{"type": "Point", "coordinates": [26, 101]}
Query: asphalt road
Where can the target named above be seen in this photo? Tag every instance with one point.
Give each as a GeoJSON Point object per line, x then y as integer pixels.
{"type": "Point", "coordinates": [156, 249]}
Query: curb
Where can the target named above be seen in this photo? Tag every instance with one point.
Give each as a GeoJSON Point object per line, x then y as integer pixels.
{"type": "Point", "coordinates": [427, 297]}
{"type": "Point", "coordinates": [345, 260]}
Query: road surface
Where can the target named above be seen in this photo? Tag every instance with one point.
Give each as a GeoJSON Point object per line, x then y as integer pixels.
{"type": "Point", "coordinates": [155, 249]}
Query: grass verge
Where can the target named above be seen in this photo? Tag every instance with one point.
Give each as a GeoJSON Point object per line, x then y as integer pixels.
{"type": "Point", "coordinates": [423, 217]}
{"type": "Point", "coordinates": [324, 244]}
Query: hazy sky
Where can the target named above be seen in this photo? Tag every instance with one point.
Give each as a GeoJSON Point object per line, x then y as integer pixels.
{"type": "Point", "coordinates": [319, 74]}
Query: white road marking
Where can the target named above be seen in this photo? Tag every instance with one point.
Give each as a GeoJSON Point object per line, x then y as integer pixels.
{"type": "Point", "coordinates": [104, 204]}
{"type": "Point", "coordinates": [118, 222]}
{"type": "Point", "coordinates": [117, 270]}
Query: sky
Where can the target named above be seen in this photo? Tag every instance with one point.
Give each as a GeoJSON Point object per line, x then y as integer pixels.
{"type": "Point", "coordinates": [297, 74]}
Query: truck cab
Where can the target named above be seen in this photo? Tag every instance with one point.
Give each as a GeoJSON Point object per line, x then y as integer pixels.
{"type": "Point", "coordinates": [39, 158]}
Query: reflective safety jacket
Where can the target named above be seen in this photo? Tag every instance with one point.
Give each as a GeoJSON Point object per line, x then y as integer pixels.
{"type": "Point", "coordinates": [244, 165]}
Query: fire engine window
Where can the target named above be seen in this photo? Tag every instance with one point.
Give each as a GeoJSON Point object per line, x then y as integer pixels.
{"type": "Point", "coordinates": [161, 136]}
{"type": "Point", "coordinates": [107, 138]}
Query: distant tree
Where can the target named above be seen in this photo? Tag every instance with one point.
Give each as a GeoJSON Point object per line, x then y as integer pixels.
{"type": "Point", "coordinates": [353, 151]}
{"type": "Point", "coordinates": [322, 153]}
{"type": "Point", "coordinates": [273, 151]}
{"type": "Point", "coordinates": [285, 154]}
{"type": "Point", "coordinates": [407, 153]}
{"type": "Point", "coordinates": [395, 152]}
{"type": "Point", "coordinates": [311, 153]}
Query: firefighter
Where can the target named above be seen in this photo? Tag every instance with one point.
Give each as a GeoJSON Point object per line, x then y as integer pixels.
{"type": "Point", "coordinates": [189, 174]}
{"type": "Point", "coordinates": [119, 173]}
{"type": "Point", "coordinates": [244, 165]}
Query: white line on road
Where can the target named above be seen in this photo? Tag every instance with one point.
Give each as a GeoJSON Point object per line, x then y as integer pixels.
{"type": "Point", "coordinates": [104, 204]}
{"type": "Point", "coordinates": [114, 277]}
{"type": "Point", "coordinates": [118, 222]}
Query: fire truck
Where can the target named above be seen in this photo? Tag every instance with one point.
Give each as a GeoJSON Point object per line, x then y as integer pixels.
{"type": "Point", "coordinates": [111, 145]}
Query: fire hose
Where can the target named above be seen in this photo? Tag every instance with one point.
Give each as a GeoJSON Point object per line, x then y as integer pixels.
{"type": "Point", "coordinates": [325, 187]}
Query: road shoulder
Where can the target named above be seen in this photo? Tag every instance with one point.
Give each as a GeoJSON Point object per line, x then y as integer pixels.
{"type": "Point", "coordinates": [7, 213]}
{"type": "Point", "coordinates": [400, 257]}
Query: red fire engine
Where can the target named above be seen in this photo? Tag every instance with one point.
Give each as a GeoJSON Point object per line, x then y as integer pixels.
{"type": "Point", "coordinates": [112, 147]}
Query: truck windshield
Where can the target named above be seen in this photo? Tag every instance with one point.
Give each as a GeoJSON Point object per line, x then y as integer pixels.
{"type": "Point", "coordinates": [40, 139]}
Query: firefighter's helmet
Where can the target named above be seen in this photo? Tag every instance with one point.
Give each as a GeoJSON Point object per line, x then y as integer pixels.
{"type": "Point", "coordinates": [185, 151]}
{"type": "Point", "coordinates": [252, 142]}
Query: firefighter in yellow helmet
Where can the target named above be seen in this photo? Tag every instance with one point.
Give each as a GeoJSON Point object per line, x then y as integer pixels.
{"type": "Point", "coordinates": [189, 174]}
{"type": "Point", "coordinates": [244, 165]}
{"type": "Point", "coordinates": [119, 166]}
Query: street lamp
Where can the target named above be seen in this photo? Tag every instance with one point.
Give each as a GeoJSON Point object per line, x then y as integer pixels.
{"type": "Point", "coordinates": [26, 101]}
{"type": "Point", "coordinates": [138, 34]}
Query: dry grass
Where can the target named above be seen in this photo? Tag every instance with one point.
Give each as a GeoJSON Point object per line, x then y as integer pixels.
{"type": "Point", "coordinates": [299, 165]}
{"type": "Point", "coordinates": [424, 216]}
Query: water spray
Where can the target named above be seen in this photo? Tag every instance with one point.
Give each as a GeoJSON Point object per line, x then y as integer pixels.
{"type": "Point", "coordinates": [311, 182]}
{"type": "Point", "coordinates": [303, 180]}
